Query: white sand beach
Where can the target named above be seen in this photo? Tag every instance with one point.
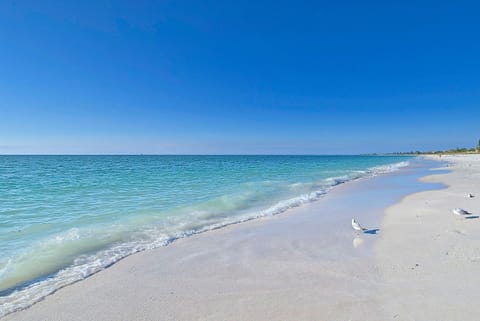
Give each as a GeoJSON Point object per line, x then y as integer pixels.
{"type": "Point", "coordinates": [428, 258]}
{"type": "Point", "coordinates": [418, 261]}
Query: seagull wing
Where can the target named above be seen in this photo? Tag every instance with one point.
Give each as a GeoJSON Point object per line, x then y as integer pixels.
{"type": "Point", "coordinates": [357, 226]}
{"type": "Point", "coordinates": [460, 211]}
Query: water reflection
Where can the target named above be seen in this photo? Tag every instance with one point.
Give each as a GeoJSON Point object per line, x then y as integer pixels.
{"type": "Point", "coordinates": [357, 242]}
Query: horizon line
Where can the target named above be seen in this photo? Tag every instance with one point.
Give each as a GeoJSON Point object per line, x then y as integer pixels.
{"type": "Point", "coordinates": [171, 154]}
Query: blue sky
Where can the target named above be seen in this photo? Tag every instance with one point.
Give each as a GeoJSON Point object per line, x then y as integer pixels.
{"type": "Point", "coordinates": [233, 77]}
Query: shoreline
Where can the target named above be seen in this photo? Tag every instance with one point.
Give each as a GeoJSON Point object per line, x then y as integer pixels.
{"type": "Point", "coordinates": [264, 229]}
{"type": "Point", "coordinates": [47, 286]}
{"type": "Point", "coordinates": [433, 272]}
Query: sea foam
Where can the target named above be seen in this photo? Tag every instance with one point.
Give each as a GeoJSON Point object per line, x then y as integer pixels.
{"type": "Point", "coordinates": [96, 249]}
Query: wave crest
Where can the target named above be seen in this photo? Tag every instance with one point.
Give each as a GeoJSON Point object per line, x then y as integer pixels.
{"type": "Point", "coordinates": [87, 264]}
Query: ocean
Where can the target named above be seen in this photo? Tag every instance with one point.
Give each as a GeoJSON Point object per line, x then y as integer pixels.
{"type": "Point", "coordinates": [63, 218]}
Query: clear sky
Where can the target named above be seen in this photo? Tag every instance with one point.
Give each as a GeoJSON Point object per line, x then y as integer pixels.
{"type": "Point", "coordinates": [233, 77]}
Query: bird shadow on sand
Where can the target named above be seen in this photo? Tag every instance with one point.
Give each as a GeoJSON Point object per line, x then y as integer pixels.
{"type": "Point", "coordinates": [471, 217]}
{"type": "Point", "coordinates": [373, 231]}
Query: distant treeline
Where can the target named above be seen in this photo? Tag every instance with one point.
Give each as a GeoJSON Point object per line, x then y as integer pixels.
{"type": "Point", "coordinates": [450, 151]}
{"type": "Point", "coordinates": [457, 150]}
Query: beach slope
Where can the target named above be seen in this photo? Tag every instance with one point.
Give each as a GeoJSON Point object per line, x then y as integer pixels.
{"type": "Point", "coordinates": [419, 261]}
{"type": "Point", "coordinates": [428, 257]}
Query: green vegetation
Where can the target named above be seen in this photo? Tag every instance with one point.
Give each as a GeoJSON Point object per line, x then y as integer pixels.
{"type": "Point", "coordinates": [457, 150]}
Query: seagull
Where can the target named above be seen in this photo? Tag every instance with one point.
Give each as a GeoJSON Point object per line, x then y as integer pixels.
{"type": "Point", "coordinates": [470, 195]}
{"type": "Point", "coordinates": [459, 211]}
{"type": "Point", "coordinates": [356, 226]}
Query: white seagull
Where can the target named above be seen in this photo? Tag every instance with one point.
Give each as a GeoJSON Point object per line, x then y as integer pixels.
{"type": "Point", "coordinates": [356, 226]}
{"type": "Point", "coordinates": [460, 211]}
{"type": "Point", "coordinates": [470, 196]}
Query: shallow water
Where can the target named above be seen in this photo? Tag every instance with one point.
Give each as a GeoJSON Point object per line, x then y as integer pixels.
{"type": "Point", "coordinates": [63, 218]}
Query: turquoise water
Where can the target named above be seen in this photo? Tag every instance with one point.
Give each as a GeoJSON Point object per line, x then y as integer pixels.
{"type": "Point", "coordinates": [63, 218]}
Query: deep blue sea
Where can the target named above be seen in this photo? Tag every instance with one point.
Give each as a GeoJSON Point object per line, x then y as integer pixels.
{"type": "Point", "coordinates": [63, 218]}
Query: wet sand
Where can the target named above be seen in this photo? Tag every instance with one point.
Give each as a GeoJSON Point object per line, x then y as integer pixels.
{"type": "Point", "coordinates": [306, 264]}
{"type": "Point", "coordinates": [428, 258]}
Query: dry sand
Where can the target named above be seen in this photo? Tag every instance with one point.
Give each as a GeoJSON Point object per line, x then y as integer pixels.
{"type": "Point", "coordinates": [306, 264]}
{"type": "Point", "coordinates": [429, 258]}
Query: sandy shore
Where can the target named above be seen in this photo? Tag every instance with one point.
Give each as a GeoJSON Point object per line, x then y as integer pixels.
{"type": "Point", "coordinates": [428, 258]}
{"type": "Point", "coordinates": [307, 264]}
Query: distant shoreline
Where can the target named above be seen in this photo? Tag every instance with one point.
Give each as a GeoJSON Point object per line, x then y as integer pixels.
{"type": "Point", "coordinates": [424, 154]}
{"type": "Point", "coordinates": [427, 254]}
{"type": "Point", "coordinates": [301, 265]}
